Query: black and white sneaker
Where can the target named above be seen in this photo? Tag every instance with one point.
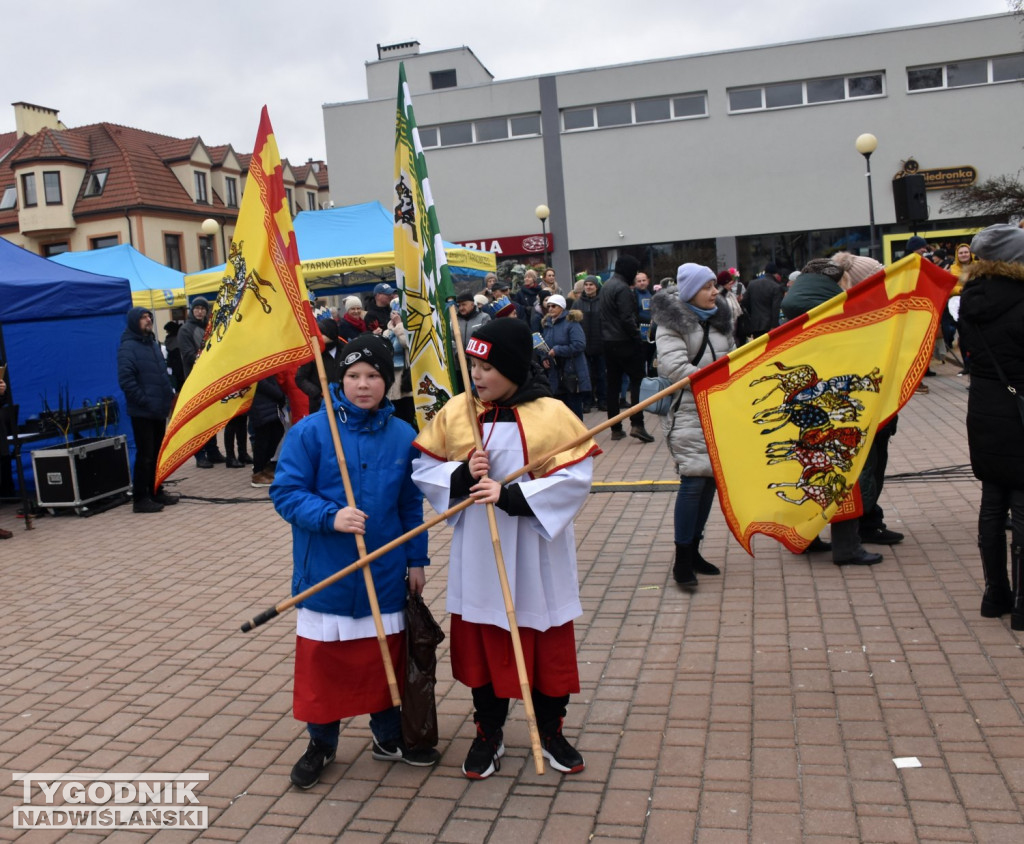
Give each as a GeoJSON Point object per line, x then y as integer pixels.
{"type": "Point", "coordinates": [396, 751]}
{"type": "Point", "coordinates": [484, 755]}
{"type": "Point", "coordinates": [562, 755]}
{"type": "Point", "coordinates": [307, 770]}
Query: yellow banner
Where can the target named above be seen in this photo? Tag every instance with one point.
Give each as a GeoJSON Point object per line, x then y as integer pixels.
{"type": "Point", "coordinates": [261, 321]}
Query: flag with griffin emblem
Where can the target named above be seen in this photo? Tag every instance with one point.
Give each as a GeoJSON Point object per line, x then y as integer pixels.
{"type": "Point", "coordinates": [261, 321]}
{"type": "Point", "coordinates": [421, 266]}
{"type": "Point", "coordinates": [789, 417]}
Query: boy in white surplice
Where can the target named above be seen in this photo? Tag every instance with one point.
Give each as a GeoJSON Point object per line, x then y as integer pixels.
{"type": "Point", "coordinates": [518, 421]}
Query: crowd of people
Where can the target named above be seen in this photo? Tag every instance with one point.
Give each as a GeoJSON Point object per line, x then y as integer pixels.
{"type": "Point", "coordinates": [541, 358]}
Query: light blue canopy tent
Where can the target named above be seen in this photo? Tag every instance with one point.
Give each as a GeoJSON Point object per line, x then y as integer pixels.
{"type": "Point", "coordinates": [153, 285]}
{"type": "Point", "coordinates": [350, 249]}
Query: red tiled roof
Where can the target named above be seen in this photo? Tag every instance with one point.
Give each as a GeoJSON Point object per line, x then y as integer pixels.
{"type": "Point", "coordinates": [138, 163]}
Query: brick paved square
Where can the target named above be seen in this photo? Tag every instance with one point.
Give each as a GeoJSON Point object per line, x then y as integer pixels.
{"type": "Point", "coordinates": [766, 706]}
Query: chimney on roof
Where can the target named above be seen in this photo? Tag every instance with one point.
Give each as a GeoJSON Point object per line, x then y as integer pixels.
{"type": "Point", "coordinates": [29, 119]}
{"type": "Point", "coordinates": [398, 51]}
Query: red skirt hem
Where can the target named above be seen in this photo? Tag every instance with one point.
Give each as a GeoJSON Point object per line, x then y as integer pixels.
{"type": "Point", "coordinates": [335, 680]}
{"type": "Point", "coordinates": [483, 653]}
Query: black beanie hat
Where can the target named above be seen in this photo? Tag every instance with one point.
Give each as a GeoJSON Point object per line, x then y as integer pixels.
{"type": "Point", "coordinates": [627, 266]}
{"type": "Point", "coordinates": [507, 345]}
{"type": "Point", "coordinates": [371, 349]}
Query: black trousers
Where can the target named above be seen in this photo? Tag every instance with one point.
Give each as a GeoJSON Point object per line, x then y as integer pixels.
{"type": "Point", "coordinates": [149, 434]}
{"type": "Point", "coordinates": [236, 432]}
{"type": "Point", "coordinates": [265, 440]}
{"type": "Point", "coordinates": [491, 711]}
{"type": "Point", "coordinates": [624, 357]}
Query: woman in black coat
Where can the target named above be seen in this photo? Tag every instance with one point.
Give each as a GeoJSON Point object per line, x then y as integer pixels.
{"type": "Point", "coordinates": [992, 332]}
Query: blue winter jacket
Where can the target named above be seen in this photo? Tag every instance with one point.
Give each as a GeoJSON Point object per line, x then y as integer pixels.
{"type": "Point", "coordinates": [308, 491]}
{"type": "Point", "coordinates": [565, 335]}
{"type": "Point", "coordinates": [142, 371]}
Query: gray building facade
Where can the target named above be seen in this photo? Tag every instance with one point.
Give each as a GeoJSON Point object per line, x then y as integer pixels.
{"type": "Point", "coordinates": [727, 158]}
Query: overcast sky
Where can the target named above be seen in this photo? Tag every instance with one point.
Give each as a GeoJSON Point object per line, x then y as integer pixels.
{"type": "Point", "coordinates": [206, 67]}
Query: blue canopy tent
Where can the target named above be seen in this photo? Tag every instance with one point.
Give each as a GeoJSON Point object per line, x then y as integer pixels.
{"type": "Point", "coordinates": [349, 250]}
{"type": "Point", "coordinates": [153, 285]}
{"type": "Point", "coordinates": [59, 333]}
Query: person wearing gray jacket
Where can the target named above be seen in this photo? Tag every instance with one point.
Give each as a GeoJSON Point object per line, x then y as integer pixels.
{"type": "Point", "coordinates": [694, 329]}
{"type": "Point", "coordinates": [470, 316]}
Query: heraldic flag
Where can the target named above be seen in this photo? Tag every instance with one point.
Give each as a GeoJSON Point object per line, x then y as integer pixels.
{"type": "Point", "coordinates": [789, 417]}
{"type": "Point", "coordinates": [261, 321]}
{"type": "Point", "coordinates": [421, 266]}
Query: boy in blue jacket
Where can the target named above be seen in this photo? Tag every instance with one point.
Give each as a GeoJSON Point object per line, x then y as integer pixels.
{"type": "Point", "coordinates": [339, 672]}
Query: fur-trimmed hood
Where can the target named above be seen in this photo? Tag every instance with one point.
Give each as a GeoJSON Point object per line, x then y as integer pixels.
{"type": "Point", "coordinates": [1005, 269]}
{"type": "Point", "coordinates": [669, 311]}
{"type": "Point", "coordinates": [992, 289]}
{"type": "Point", "coordinates": [570, 316]}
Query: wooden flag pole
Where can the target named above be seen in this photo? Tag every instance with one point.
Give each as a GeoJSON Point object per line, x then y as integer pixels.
{"type": "Point", "coordinates": [499, 557]}
{"type": "Point", "coordinates": [274, 611]}
{"type": "Point", "coordinates": [371, 592]}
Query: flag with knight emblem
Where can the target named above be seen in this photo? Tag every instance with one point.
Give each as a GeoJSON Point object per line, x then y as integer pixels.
{"type": "Point", "coordinates": [421, 266]}
{"type": "Point", "coordinates": [789, 418]}
{"type": "Point", "coordinates": [261, 321]}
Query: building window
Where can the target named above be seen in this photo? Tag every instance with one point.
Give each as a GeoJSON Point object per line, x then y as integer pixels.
{"type": "Point", "coordinates": [456, 133]}
{"type": "Point", "coordinates": [231, 188]}
{"type": "Point", "coordinates": [480, 131]}
{"type": "Point", "coordinates": [51, 187]}
{"type": "Point", "coordinates": [528, 124]}
{"type": "Point", "coordinates": [95, 182]}
{"type": "Point", "coordinates": [638, 111]}
{"type": "Point", "coordinates": [614, 114]}
{"type": "Point", "coordinates": [207, 251]}
{"type": "Point", "coordinates": [806, 92]}
{"type": "Point", "coordinates": [442, 79]}
{"type": "Point", "coordinates": [310, 201]}
{"type": "Point", "coordinates": [28, 190]}
{"type": "Point", "coordinates": [962, 74]}
{"type": "Point", "coordinates": [10, 198]}
{"type": "Point", "coordinates": [201, 187]}
{"type": "Point", "coordinates": [51, 249]}
{"type": "Point", "coordinates": [104, 242]}
{"type": "Point", "coordinates": [172, 251]}
{"type": "Point", "coordinates": [288, 199]}
{"type": "Point", "coordinates": [495, 129]}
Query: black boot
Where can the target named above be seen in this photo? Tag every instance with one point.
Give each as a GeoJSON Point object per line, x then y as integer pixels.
{"type": "Point", "coordinates": [700, 565]}
{"type": "Point", "coordinates": [682, 571]}
{"type": "Point", "coordinates": [998, 598]}
{"type": "Point", "coordinates": [1017, 613]}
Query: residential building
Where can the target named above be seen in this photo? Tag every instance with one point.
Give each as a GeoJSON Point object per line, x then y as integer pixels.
{"type": "Point", "coordinates": [101, 185]}
{"type": "Point", "coordinates": [736, 157]}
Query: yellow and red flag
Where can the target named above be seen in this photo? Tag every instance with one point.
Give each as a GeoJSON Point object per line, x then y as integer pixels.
{"type": "Point", "coordinates": [789, 417]}
{"type": "Point", "coordinates": [261, 322]}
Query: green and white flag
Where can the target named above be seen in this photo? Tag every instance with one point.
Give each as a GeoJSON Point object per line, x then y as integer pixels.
{"type": "Point", "coordinates": [421, 266]}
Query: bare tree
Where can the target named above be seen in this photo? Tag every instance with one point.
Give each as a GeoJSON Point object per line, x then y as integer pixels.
{"type": "Point", "coordinates": [1000, 196]}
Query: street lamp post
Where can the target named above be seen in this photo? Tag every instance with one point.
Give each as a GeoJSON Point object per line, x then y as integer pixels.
{"type": "Point", "coordinates": [867, 144]}
{"type": "Point", "coordinates": [543, 212]}
{"type": "Point", "coordinates": [210, 227]}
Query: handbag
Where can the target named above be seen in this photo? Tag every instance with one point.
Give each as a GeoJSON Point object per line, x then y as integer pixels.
{"type": "Point", "coordinates": [656, 383]}
{"type": "Point", "coordinates": [419, 708]}
{"type": "Point", "coordinates": [568, 379]}
{"type": "Point", "coordinates": [1002, 376]}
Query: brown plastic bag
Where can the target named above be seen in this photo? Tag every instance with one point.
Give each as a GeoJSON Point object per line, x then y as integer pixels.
{"type": "Point", "coordinates": [419, 709]}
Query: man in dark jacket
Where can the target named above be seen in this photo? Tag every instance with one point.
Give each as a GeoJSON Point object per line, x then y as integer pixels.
{"type": "Point", "coordinates": [762, 299]}
{"type": "Point", "coordinates": [589, 305]}
{"type": "Point", "coordinates": [623, 348]}
{"type": "Point", "coordinates": [469, 315]}
{"type": "Point", "coordinates": [142, 376]}
{"type": "Point", "coordinates": [308, 378]}
{"type": "Point", "coordinates": [378, 313]}
{"type": "Point", "coordinates": [818, 282]}
{"type": "Point", "coordinates": [190, 341]}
